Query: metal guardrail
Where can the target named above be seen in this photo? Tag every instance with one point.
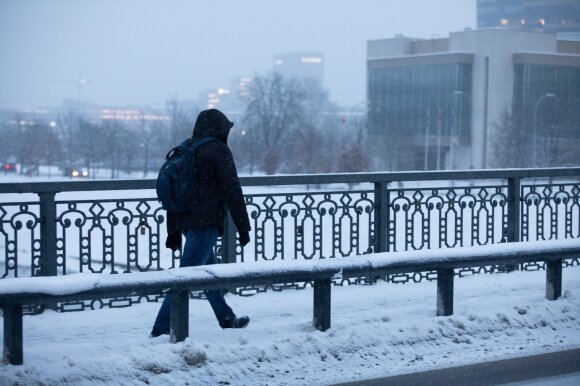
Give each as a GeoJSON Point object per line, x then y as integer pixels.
{"type": "Point", "coordinates": [400, 211]}
{"type": "Point", "coordinates": [301, 179]}
{"type": "Point", "coordinates": [14, 293]}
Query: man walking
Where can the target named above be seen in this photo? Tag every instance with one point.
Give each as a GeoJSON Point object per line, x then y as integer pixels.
{"type": "Point", "coordinates": [218, 188]}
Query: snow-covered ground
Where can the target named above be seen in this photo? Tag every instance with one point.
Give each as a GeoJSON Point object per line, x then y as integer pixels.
{"type": "Point", "coordinates": [379, 330]}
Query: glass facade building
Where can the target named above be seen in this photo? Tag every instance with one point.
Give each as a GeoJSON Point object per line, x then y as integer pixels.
{"type": "Point", "coordinates": [559, 114]}
{"type": "Point", "coordinates": [470, 100]}
{"type": "Point", "coordinates": [418, 100]}
{"type": "Point", "coordinates": [534, 15]}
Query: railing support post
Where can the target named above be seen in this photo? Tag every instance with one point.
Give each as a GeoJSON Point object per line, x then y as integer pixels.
{"type": "Point", "coordinates": [445, 292]}
{"type": "Point", "coordinates": [229, 240]}
{"type": "Point", "coordinates": [381, 217]}
{"type": "Point", "coordinates": [513, 214]}
{"type": "Point", "coordinates": [321, 319]}
{"type": "Point", "coordinates": [179, 316]}
{"type": "Point", "coordinates": [13, 350]}
{"type": "Point", "coordinates": [48, 266]}
{"type": "Point", "coordinates": [553, 279]}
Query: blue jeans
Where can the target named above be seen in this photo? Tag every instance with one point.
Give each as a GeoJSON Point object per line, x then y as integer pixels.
{"type": "Point", "coordinates": [198, 250]}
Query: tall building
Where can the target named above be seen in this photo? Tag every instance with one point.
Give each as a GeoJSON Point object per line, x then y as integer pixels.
{"type": "Point", "coordinates": [532, 15]}
{"type": "Point", "coordinates": [231, 99]}
{"type": "Point", "coordinates": [301, 65]}
{"type": "Point", "coordinates": [445, 97]}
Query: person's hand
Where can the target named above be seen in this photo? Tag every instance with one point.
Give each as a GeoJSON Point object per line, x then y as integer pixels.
{"type": "Point", "coordinates": [173, 241]}
{"type": "Point", "coordinates": [244, 238]}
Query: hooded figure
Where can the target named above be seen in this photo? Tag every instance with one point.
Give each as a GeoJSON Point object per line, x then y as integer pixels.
{"type": "Point", "coordinates": [217, 180]}
{"type": "Point", "coordinates": [218, 189]}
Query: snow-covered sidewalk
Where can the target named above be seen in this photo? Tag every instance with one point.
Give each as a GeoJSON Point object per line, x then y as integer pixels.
{"type": "Point", "coordinates": [376, 331]}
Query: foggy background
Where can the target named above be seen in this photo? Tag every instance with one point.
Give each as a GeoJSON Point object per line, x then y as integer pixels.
{"type": "Point", "coordinates": [145, 52]}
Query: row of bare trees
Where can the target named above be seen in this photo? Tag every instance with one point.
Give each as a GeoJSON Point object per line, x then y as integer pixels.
{"type": "Point", "coordinates": [290, 126]}
{"type": "Point", "coordinates": [513, 143]}
{"type": "Point", "coordinates": [75, 141]}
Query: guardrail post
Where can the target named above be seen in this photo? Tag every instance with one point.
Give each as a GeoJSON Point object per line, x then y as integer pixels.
{"type": "Point", "coordinates": [229, 240]}
{"type": "Point", "coordinates": [513, 214]}
{"type": "Point", "coordinates": [322, 290]}
{"type": "Point", "coordinates": [48, 266]}
{"type": "Point", "coordinates": [553, 279]}
{"type": "Point", "coordinates": [179, 316]}
{"type": "Point", "coordinates": [13, 351]}
{"type": "Point", "coordinates": [445, 292]}
{"type": "Point", "coordinates": [381, 218]}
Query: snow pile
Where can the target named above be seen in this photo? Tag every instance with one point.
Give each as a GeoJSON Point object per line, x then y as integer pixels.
{"type": "Point", "coordinates": [378, 330]}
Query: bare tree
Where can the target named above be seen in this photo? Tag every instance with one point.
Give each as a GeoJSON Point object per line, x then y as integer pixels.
{"type": "Point", "coordinates": [163, 135]}
{"type": "Point", "coordinates": [289, 122]}
{"type": "Point", "coordinates": [146, 137]}
{"type": "Point", "coordinates": [354, 154]}
{"type": "Point", "coordinates": [557, 149]}
{"type": "Point", "coordinates": [273, 113]}
{"type": "Point", "coordinates": [9, 143]}
{"type": "Point", "coordinates": [511, 142]}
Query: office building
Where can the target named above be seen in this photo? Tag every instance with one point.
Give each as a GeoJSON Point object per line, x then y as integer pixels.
{"type": "Point", "coordinates": [301, 65]}
{"type": "Point", "coordinates": [231, 99]}
{"type": "Point", "coordinates": [532, 15]}
{"type": "Point", "coordinates": [444, 99]}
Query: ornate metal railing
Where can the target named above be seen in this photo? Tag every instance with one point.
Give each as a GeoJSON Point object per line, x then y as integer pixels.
{"type": "Point", "coordinates": [118, 226]}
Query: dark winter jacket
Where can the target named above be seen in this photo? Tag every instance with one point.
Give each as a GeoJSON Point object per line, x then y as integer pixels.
{"type": "Point", "coordinates": [217, 180]}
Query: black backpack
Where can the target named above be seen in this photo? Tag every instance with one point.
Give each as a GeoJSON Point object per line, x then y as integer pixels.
{"type": "Point", "coordinates": [176, 185]}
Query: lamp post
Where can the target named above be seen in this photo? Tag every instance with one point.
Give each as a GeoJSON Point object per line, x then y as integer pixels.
{"type": "Point", "coordinates": [455, 129]}
{"type": "Point", "coordinates": [535, 116]}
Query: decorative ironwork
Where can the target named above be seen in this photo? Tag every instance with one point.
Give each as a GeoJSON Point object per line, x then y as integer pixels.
{"type": "Point", "coordinates": [19, 239]}
{"type": "Point", "coordinates": [111, 236]}
{"type": "Point", "coordinates": [444, 217]}
{"type": "Point", "coordinates": [309, 225]}
{"type": "Point", "coordinates": [124, 235]}
{"type": "Point", "coordinates": [550, 211]}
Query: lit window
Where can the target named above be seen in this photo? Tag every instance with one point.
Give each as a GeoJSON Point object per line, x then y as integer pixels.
{"type": "Point", "coordinates": [504, 22]}
{"type": "Point", "coordinates": [278, 61]}
{"type": "Point", "coordinates": [542, 22]}
{"type": "Point", "coordinates": [523, 21]}
{"type": "Point", "coordinates": [315, 60]}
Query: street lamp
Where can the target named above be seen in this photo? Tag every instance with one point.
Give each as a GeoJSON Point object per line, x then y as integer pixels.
{"type": "Point", "coordinates": [535, 116]}
{"type": "Point", "coordinates": [455, 129]}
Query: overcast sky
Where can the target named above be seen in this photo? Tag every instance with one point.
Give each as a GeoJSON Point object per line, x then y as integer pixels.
{"type": "Point", "coordinates": [145, 51]}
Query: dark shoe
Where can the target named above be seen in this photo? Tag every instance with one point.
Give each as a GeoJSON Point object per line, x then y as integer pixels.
{"type": "Point", "coordinates": [241, 322]}
{"type": "Point", "coordinates": [155, 333]}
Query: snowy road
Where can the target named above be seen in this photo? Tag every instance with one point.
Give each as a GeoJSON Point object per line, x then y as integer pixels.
{"type": "Point", "coordinates": [559, 368]}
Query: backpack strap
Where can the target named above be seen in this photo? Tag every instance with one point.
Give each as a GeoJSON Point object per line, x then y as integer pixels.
{"type": "Point", "coordinates": [171, 152]}
{"type": "Point", "coordinates": [184, 147]}
{"type": "Point", "coordinates": [200, 142]}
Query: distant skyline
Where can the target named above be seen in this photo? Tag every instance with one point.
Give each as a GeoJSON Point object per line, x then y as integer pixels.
{"type": "Point", "coordinates": [146, 51]}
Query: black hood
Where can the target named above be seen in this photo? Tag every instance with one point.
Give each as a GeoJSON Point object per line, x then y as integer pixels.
{"type": "Point", "coordinates": [212, 123]}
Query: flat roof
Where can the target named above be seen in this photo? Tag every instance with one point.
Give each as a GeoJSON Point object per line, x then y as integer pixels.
{"type": "Point", "coordinates": [547, 59]}
{"type": "Point", "coordinates": [421, 60]}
